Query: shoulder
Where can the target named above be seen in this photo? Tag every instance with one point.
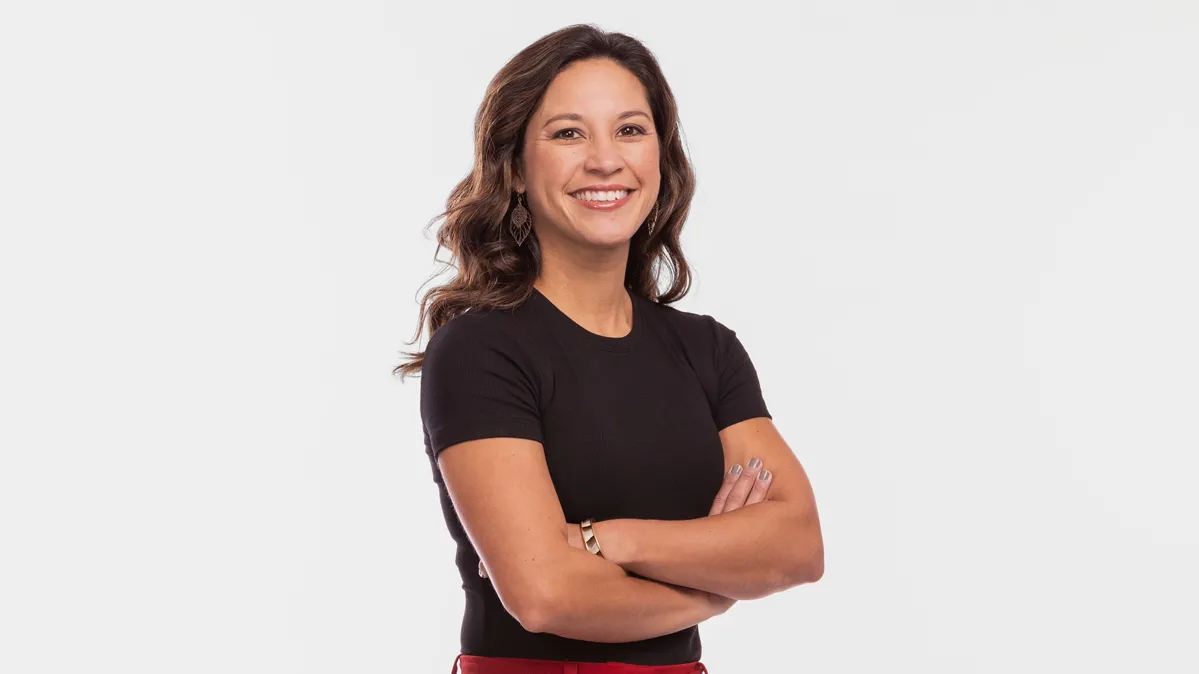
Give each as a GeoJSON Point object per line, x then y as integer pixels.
{"type": "Point", "coordinates": [694, 328]}
{"type": "Point", "coordinates": [707, 341]}
{"type": "Point", "coordinates": [721, 363]}
{"type": "Point", "coordinates": [479, 351]}
{"type": "Point", "coordinates": [489, 328]}
{"type": "Point", "coordinates": [479, 379]}
{"type": "Point", "coordinates": [480, 339]}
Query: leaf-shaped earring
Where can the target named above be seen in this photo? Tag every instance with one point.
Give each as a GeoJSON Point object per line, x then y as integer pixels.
{"type": "Point", "coordinates": [522, 222]}
{"type": "Point", "coordinates": [653, 220]}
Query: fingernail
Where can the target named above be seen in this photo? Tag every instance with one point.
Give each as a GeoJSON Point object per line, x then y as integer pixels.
{"type": "Point", "coordinates": [754, 463]}
{"type": "Point", "coordinates": [735, 470]}
{"type": "Point", "coordinates": [764, 475]}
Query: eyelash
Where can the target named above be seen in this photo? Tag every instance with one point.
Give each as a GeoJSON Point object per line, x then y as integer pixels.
{"type": "Point", "coordinates": [640, 131]}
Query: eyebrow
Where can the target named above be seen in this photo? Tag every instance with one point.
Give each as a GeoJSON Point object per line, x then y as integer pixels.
{"type": "Point", "coordinates": [578, 118]}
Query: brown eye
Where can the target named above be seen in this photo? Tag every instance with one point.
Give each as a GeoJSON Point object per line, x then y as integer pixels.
{"type": "Point", "coordinates": [639, 130]}
{"type": "Point", "coordinates": [559, 134]}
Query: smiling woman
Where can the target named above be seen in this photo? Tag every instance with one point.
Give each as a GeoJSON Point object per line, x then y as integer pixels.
{"type": "Point", "coordinates": [559, 387]}
{"type": "Point", "coordinates": [605, 130]}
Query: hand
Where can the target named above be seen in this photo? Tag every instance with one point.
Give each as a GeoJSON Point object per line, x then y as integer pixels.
{"type": "Point", "coordinates": [746, 487]}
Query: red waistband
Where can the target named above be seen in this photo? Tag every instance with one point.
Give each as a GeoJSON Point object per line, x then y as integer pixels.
{"type": "Point", "coordinates": [478, 664]}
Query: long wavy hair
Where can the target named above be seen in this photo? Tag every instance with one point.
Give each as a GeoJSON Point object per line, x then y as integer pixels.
{"type": "Point", "coordinates": [492, 271]}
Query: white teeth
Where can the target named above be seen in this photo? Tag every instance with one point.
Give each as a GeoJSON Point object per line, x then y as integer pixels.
{"type": "Point", "coordinates": [611, 195]}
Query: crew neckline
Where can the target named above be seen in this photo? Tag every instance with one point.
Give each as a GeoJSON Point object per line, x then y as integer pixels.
{"type": "Point", "coordinates": [614, 344]}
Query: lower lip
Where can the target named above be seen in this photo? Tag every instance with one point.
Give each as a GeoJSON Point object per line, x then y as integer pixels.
{"type": "Point", "coordinates": [604, 205]}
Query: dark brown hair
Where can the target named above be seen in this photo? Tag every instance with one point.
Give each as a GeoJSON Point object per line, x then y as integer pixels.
{"type": "Point", "coordinates": [492, 271]}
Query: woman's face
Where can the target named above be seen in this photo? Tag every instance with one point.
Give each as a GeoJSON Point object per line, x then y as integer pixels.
{"type": "Point", "coordinates": [593, 129]}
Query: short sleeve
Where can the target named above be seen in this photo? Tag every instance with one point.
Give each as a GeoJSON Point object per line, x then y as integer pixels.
{"type": "Point", "coordinates": [477, 381]}
{"type": "Point", "coordinates": [738, 391]}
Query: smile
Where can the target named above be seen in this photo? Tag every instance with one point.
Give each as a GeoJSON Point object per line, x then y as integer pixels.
{"type": "Point", "coordinates": [602, 201]}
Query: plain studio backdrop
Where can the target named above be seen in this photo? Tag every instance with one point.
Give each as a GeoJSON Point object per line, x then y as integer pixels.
{"type": "Point", "coordinates": [958, 240]}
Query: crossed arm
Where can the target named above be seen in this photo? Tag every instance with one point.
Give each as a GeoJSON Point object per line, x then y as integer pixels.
{"type": "Point", "coordinates": [693, 569]}
{"type": "Point", "coordinates": [737, 552]}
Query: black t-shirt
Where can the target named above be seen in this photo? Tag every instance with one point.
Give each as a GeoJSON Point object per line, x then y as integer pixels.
{"type": "Point", "coordinates": [615, 415]}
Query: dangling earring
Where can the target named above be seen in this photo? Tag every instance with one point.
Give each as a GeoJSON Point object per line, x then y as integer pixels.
{"type": "Point", "coordinates": [522, 222]}
{"type": "Point", "coordinates": [653, 220]}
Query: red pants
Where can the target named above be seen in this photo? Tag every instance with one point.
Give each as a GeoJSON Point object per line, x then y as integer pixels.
{"type": "Point", "coordinates": [477, 664]}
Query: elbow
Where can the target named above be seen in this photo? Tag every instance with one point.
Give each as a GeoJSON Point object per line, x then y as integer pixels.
{"type": "Point", "coordinates": [809, 565]}
{"type": "Point", "coordinates": [806, 552]}
{"type": "Point", "coordinates": [812, 568]}
{"type": "Point", "coordinates": [805, 565]}
{"type": "Point", "coordinates": [545, 598]}
{"type": "Point", "coordinates": [532, 606]}
{"type": "Point", "coordinates": [816, 569]}
{"type": "Point", "coordinates": [554, 610]}
{"type": "Point", "coordinates": [537, 616]}
{"type": "Point", "coordinates": [534, 619]}
{"type": "Point", "coordinates": [542, 610]}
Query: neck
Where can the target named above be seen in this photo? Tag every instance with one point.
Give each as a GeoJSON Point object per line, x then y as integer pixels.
{"type": "Point", "coordinates": [588, 286]}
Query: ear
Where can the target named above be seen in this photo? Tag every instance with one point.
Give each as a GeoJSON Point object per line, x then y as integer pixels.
{"type": "Point", "coordinates": [518, 181]}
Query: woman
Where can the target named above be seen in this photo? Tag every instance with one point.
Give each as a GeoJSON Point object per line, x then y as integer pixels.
{"type": "Point", "coordinates": [588, 440]}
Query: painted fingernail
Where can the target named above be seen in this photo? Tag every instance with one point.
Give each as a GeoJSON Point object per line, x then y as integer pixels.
{"type": "Point", "coordinates": [754, 463]}
{"type": "Point", "coordinates": [735, 470]}
{"type": "Point", "coordinates": [764, 475]}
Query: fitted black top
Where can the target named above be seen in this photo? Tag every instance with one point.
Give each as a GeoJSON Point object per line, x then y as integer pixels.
{"type": "Point", "coordinates": [612, 413]}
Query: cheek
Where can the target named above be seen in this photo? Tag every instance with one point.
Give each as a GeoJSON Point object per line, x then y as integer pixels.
{"type": "Point", "coordinates": [645, 162]}
{"type": "Point", "coordinates": [551, 170]}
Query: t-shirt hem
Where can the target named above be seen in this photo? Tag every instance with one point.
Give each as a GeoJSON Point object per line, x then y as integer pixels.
{"type": "Point", "coordinates": [729, 418]}
{"type": "Point", "coordinates": [500, 428]}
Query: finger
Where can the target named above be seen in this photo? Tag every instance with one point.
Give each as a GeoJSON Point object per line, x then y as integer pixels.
{"type": "Point", "coordinates": [730, 479]}
{"type": "Point", "coordinates": [760, 488]}
{"type": "Point", "coordinates": [740, 490]}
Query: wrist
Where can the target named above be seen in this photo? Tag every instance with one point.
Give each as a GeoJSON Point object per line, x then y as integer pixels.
{"type": "Point", "coordinates": [614, 540]}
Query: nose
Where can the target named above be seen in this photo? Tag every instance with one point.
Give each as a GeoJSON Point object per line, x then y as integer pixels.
{"type": "Point", "coordinates": [604, 157]}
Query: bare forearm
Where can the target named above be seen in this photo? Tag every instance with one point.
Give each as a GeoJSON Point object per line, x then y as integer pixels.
{"type": "Point", "coordinates": [744, 554]}
{"type": "Point", "coordinates": [597, 601]}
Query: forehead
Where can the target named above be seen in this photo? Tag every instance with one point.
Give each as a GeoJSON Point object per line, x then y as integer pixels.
{"type": "Point", "coordinates": [596, 88]}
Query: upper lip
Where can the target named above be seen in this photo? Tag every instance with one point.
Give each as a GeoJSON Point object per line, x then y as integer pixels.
{"type": "Point", "coordinates": [602, 188]}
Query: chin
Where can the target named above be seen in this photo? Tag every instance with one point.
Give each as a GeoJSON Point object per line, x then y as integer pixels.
{"type": "Point", "coordinates": [606, 235]}
{"type": "Point", "coordinates": [610, 239]}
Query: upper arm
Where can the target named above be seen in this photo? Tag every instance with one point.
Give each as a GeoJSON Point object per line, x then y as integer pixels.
{"type": "Point", "coordinates": [758, 437]}
{"type": "Point", "coordinates": [503, 494]}
{"type": "Point", "coordinates": [747, 429]}
{"type": "Point", "coordinates": [789, 484]}
{"type": "Point", "coordinates": [479, 404]}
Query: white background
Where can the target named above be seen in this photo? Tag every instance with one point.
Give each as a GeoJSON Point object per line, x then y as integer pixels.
{"type": "Point", "coordinates": [957, 238]}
